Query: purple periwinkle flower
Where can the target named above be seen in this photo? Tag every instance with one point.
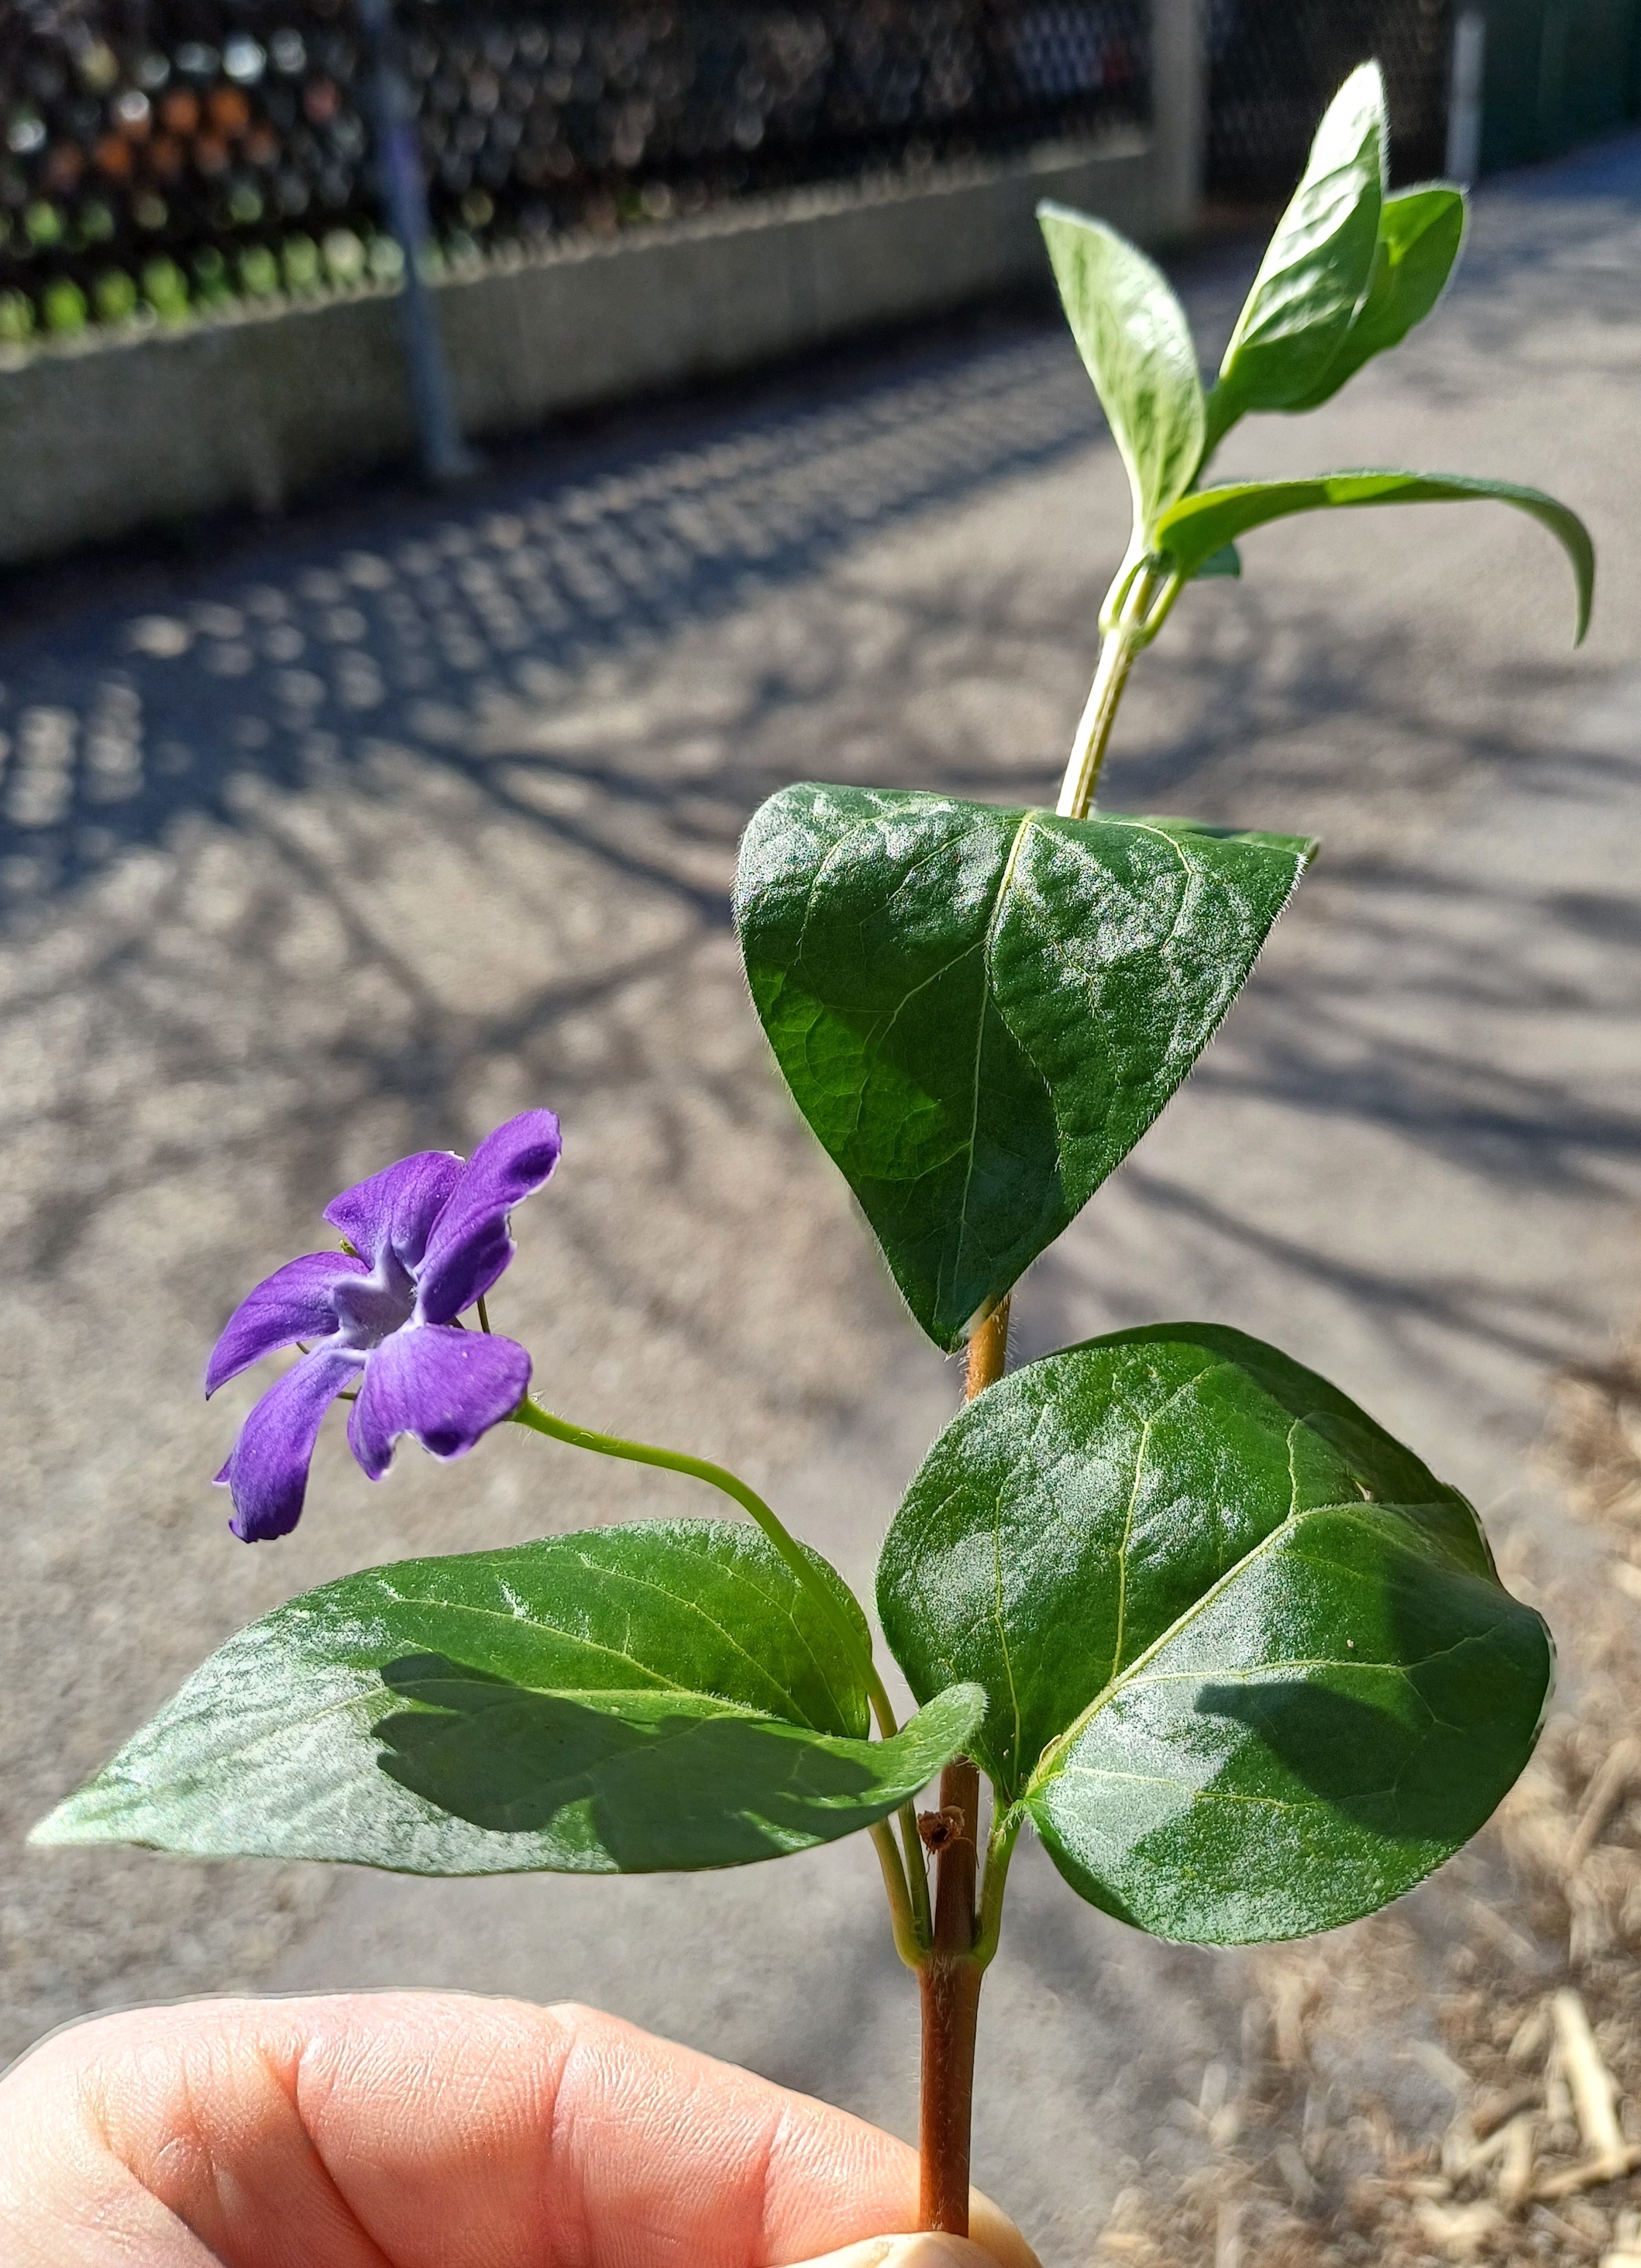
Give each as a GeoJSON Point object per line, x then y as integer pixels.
{"type": "Point", "coordinates": [426, 1239]}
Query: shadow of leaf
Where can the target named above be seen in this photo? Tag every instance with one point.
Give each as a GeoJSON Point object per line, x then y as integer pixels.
{"type": "Point", "coordinates": [1393, 1768]}
{"type": "Point", "coordinates": [657, 1783]}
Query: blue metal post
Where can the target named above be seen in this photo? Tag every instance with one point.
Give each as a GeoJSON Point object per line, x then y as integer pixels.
{"type": "Point", "coordinates": [446, 455]}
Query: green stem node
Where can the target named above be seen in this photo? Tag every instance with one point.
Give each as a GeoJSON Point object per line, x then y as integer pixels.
{"type": "Point", "coordinates": [1128, 624]}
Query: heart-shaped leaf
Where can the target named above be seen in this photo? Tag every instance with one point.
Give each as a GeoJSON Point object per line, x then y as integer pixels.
{"type": "Point", "coordinates": [1136, 345]}
{"type": "Point", "coordinates": [980, 1010]}
{"type": "Point", "coordinates": [663, 1696]}
{"type": "Point", "coordinates": [1420, 234]}
{"type": "Point", "coordinates": [1249, 1667]}
{"type": "Point", "coordinates": [1317, 265]}
{"type": "Point", "coordinates": [1192, 531]}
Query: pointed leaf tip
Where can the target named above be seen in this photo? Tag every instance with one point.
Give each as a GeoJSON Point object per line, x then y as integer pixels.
{"type": "Point", "coordinates": [980, 1010]}
{"type": "Point", "coordinates": [1318, 264]}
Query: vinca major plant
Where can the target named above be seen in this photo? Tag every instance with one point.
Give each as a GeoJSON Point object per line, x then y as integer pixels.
{"type": "Point", "coordinates": [1239, 1659]}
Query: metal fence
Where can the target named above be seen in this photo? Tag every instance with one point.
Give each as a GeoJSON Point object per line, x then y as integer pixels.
{"type": "Point", "coordinates": [162, 155]}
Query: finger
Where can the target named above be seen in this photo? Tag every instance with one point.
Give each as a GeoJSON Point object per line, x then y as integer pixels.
{"type": "Point", "coordinates": [428, 2131]}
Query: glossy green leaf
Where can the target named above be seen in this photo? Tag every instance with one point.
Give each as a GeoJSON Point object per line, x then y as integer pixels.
{"type": "Point", "coordinates": [1420, 234]}
{"type": "Point", "coordinates": [658, 1696]}
{"type": "Point", "coordinates": [1317, 265]}
{"type": "Point", "coordinates": [1197, 526]}
{"type": "Point", "coordinates": [1227, 561]}
{"type": "Point", "coordinates": [980, 1010]}
{"type": "Point", "coordinates": [1137, 347]}
{"type": "Point", "coordinates": [1249, 1667]}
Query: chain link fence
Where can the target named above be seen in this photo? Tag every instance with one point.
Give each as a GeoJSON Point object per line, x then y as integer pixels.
{"type": "Point", "coordinates": [163, 156]}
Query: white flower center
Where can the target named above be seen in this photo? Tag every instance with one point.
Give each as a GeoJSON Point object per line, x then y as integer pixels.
{"type": "Point", "coordinates": [371, 1308]}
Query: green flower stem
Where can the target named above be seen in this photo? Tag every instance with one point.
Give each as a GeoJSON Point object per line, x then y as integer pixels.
{"type": "Point", "coordinates": [911, 1941]}
{"type": "Point", "coordinates": [531, 1413]}
{"type": "Point", "coordinates": [1127, 630]}
{"type": "Point", "coordinates": [916, 1877]}
{"type": "Point", "coordinates": [908, 1899]}
{"type": "Point", "coordinates": [1005, 1828]}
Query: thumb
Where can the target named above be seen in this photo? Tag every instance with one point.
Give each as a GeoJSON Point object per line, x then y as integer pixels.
{"type": "Point", "coordinates": [908, 2252]}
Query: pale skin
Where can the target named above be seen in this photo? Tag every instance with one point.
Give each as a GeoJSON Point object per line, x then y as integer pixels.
{"type": "Point", "coordinates": [434, 2130]}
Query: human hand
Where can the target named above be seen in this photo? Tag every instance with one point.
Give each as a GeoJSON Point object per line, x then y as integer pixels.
{"type": "Point", "coordinates": [434, 2130]}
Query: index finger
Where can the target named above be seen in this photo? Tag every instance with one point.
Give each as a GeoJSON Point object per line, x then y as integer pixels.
{"type": "Point", "coordinates": [428, 2131]}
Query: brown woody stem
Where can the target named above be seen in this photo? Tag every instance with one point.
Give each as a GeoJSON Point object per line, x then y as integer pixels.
{"type": "Point", "coordinates": [949, 1980]}
{"type": "Point", "coordinates": [949, 1977]}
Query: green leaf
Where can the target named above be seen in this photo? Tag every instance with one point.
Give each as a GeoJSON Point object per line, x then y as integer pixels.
{"type": "Point", "coordinates": [663, 1696]}
{"type": "Point", "coordinates": [1196, 527]}
{"type": "Point", "coordinates": [1317, 265]}
{"type": "Point", "coordinates": [1249, 1664]}
{"type": "Point", "coordinates": [980, 1010]}
{"type": "Point", "coordinates": [1420, 233]}
{"type": "Point", "coordinates": [1227, 561]}
{"type": "Point", "coordinates": [1137, 347]}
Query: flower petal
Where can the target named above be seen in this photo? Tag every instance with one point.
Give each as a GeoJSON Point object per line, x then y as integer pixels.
{"type": "Point", "coordinates": [469, 1245]}
{"type": "Point", "coordinates": [444, 1386]}
{"type": "Point", "coordinates": [294, 1303]}
{"type": "Point", "coordinates": [268, 1469]}
{"type": "Point", "coordinates": [393, 1211]}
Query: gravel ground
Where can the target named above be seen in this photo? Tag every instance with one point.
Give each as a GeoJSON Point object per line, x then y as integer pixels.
{"type": "Point", "coordinates": [352, 836]}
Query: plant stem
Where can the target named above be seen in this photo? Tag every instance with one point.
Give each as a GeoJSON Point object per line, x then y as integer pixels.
{"type": "Point", "coordinates": [1000, 1850]}
{"type": "Point", "coordinates": [949, 1981]}
{"type": "Point", "coordinates": [531, 1413]}
{"type": "Point", "coordinates": [1126, 634]}
{"type": "Point", "coordinates": [964, 1938]}
{"type": "Point", "coordinates": [988, 1352]}
{"type": "Point", "coordinates": [949, 1974]}
{"type": "Point", "coordinates": [911, 1943]}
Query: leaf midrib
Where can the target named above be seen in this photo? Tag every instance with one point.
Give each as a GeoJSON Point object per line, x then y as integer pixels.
{"type": "Point", "coordinates": [986, 999]}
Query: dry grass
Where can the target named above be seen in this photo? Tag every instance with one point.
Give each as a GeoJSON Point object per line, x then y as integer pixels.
{"type": "Point", "coordinates": [1503, 2124]}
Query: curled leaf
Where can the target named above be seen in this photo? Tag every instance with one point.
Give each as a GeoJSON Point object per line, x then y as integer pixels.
{"type": "Point", "coordinates": [1192, 530]}
{"type": "Point", "coordinates": [1317, 266]}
